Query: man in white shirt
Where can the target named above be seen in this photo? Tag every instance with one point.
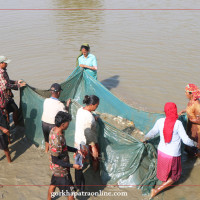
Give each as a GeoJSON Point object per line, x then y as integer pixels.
{"type": "Point", "coordinates": [51, 107]}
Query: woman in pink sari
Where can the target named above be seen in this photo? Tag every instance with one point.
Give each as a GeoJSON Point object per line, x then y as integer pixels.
{"type": "Point", "coordinates": [171, 133]}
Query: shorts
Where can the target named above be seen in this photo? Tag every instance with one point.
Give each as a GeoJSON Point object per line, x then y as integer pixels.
{"type": "Point", "coordinates": [46, 130]}
{"type": "Point", "coordinates": [3, 142]}
{"type": "Point", "coordinates": [64, 184]}
{"type": "Point", "coordinates": [11, 106]}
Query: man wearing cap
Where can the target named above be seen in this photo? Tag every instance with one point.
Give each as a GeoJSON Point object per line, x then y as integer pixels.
{"type": "Point", "coordinates": [7, 103]}
{"type": "Point", "coordinates": [51, 107]}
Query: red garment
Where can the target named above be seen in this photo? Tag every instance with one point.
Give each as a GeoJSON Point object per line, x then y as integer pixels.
{"type": "Point", "coordinates": [5, 85]}
{"type": "Point", "coordinates": [176, 169]}
{"type": "Point", "coordinates": [168, 167]}
{"type": "Point", "coordinates": [194, 90]}
{"type": "Point", "coordinates": [164, 164]}
{"type": "Point", "coordinates": [2, 100]}
{"type": "Point", "coordinates": [171, 117]}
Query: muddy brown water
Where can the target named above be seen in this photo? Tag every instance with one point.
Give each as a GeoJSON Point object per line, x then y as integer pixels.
{"type": "Point", "coordinates": [145, 57]}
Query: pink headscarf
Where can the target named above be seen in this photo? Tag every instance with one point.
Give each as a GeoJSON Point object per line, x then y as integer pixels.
{"type": "Point", "coordinates": [171, 117]}
{"type": "Point", "coordinates": [194, 90]}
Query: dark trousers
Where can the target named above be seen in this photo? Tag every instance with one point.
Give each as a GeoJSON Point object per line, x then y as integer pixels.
{"type": "Point", "coordinates": [80, 180]}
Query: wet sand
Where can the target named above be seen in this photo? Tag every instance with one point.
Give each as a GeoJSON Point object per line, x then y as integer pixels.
{"type": "Point", "coordinates": [28, 176]}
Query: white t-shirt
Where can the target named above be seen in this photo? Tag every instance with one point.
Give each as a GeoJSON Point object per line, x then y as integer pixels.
{"type": "Point", "coordinates": [85, 130]}
{"type": "Point", "coordinates": [51, 107]}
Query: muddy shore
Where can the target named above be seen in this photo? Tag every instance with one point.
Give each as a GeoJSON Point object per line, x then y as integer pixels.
{"type": "Point", "coordinates": [28, 176]}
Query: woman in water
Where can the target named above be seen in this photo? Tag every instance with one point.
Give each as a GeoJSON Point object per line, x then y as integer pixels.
{"type": "Point", "coordinates": [171, 133]}
{"type": "Point", "coordinates": [85, 132]}
{"type": "Point", "coordinates": [88, 61]}
{"type": "Point", "coordinates": [192, 92]}
{"type": "Point", "coordinates": [86, 138]}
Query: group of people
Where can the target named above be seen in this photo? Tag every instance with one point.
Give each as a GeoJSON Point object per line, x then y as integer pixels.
{"type": "Point", "coordinates": [56, 119]}
{"type": "Point", "coordinates": [172, 132]}
{"type": "Point", "coordinates": [85, 60]}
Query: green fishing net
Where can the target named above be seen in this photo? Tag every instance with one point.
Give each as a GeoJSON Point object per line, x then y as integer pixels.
{"type": "Point", "coordinates": [125, 160]}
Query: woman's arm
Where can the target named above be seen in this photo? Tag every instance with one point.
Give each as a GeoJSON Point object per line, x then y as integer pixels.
{"type": "Point", "coordinates": [60, 162]}
{"type": "Point", "coordinates": [56, 160]}
{"type": "Point", "coordinates": [195, 121]}
{"type": "Point", "coordinates": [186, 140]}
{"type": "Point", "coordinates": [72, 149]}
{"type": "Point", "coordinates": [93, 64]}
{"type": "Point", "coordinates": [154, 131]}
{"type": "Point", "coordinates": [55, 153]}
{"type": "Point", "coordinates": [91, 137]}
{"type": "Point", "coordinates": [94, 151]}
{"type": "Point", "coordinates": [181, 112]}
{"type": "Point", "coordinates": [191, 114]}
{"type": "Point", "coordinates": [86, 66]}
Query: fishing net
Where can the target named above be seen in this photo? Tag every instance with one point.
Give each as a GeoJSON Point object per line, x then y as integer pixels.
{"type": "Point", "coordinates": [125, 160]}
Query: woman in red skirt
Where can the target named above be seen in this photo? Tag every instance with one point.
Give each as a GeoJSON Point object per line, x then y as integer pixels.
{"type": "Point", "coordinates": [171, 133]}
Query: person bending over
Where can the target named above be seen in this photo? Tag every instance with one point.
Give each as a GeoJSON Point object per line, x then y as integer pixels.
{"type": "Point", "coordinates": [171, 132]}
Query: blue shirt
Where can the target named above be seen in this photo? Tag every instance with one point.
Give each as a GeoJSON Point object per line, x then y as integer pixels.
{"type": "Point", "coordinates": [89, 61]}
{"type": "Point", "coordinates": [54, 98]}
{"type": "Point", "coordinates": [173, 148]}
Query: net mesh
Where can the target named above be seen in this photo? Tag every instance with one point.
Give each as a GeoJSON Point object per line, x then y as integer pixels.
{"type": "Point", "coordinates": [125, 161]}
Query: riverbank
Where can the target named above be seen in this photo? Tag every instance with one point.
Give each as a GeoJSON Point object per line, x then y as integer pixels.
{"type": "Point", "coordinates": [28, 177]}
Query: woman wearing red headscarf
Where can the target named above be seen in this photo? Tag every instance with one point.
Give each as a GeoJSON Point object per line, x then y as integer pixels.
{"type": "Point", "coordinates": [171, 133]}
{"type": "Point", "coordinates": [192, 92]}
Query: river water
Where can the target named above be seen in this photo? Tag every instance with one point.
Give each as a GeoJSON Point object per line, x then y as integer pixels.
{"type": "Point", "coordinates": [145, 57]}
